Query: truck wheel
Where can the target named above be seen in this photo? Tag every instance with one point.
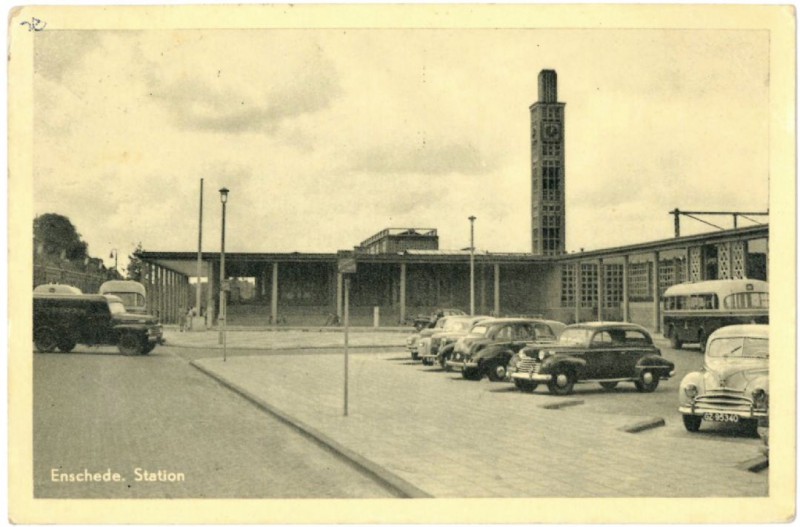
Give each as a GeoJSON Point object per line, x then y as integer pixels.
{"type": "Point", "coordinates": [130, 344]}
{"type": "Point", "coordinates": [66, 345]}
{"type": "Point", "coordinates": [674, 341]}
{"type": "Point", "coordinates": [45, 340]}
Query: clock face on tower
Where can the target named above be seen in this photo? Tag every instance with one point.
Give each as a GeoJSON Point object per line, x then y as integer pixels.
{"type": "Point", "coordinates": [552, 132]}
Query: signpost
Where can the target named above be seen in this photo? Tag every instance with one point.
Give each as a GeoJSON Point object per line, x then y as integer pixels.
{"type": "Point", "coordinates": [347, 266]}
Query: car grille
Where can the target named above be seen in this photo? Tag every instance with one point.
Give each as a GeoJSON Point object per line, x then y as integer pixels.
{"type": "Point", "coordinates": [528, 365]}
{"type": "Point", "coordinates": [435, 346]}
{"type": "Point", "coordinates": [721, 400]}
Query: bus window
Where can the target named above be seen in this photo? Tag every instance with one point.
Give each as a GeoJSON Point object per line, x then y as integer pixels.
{"type": "Point", "coordinates": [746, 300]}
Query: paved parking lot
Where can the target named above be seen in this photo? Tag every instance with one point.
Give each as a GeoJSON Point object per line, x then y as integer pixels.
{"type": "Point", "coordinates": [454, 438]}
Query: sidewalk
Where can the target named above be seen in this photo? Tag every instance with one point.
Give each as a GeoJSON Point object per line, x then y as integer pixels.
{"type": "Point", "coordinates": [267, 338]}
{"type": "Point", "coordinates": [445, 437]}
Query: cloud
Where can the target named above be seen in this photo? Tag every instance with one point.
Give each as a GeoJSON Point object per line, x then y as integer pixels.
{"type": "Point", "coordinates": [252, 92]}
{"type": "Point", "coordinates": [425, 158]}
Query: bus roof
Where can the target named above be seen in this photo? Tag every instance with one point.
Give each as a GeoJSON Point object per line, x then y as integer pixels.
{"type": "Point", "coordinates": [122, 286]}
{"type": "Point", "coordinates": [720, 287]}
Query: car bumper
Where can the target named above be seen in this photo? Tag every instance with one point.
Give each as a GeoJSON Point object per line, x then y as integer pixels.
{"type": "Point", "coordinates": [456, 365]}
{"type": "Point", "coordinates": [536, 377]}
{"type": "Point", "coordinates": [706, 409]}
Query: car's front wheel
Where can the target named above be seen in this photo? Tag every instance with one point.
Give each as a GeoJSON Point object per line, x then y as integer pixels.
{"type": "Point", "coordinates": [130, 343]}
{"type": "Point", "coordinates": [648, 382]}
{"type": "Point", "coordinates": [443, 358]}
{"type": "Point", "coordinates": [150, 346]}
{"type": "Point", "coordinates": [45, 340]}
{"type": "Point", "coordinates": [692, 422]}
{"type": "Point", "coordinates": [472, 375]}
{"type": "Point", "coordinates": [562, 382]}
{"type": "Point", "coordinates": [525, 386]}
{"type": "Point", "coordinates": [497, 372]}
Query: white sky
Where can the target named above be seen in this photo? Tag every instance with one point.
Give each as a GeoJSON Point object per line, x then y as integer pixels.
{"type": "Point", "coordinates": [325, 137]}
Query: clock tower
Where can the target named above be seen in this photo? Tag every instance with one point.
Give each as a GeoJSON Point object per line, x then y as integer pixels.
{"type": "Point", "coordinates": [548, 227]}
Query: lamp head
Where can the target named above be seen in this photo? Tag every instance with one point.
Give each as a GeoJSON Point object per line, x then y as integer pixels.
{"type": "Point", "coordinates": [223, 195]}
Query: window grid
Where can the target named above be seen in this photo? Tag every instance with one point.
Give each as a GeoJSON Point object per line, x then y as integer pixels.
{"type": "Point", "coordinates": [639, 281]}
{"type": "Point", "coordinates": [612, 294]}
{"type": "Point", "coordinates": [588, 285]}
{"type": "Point", "coordinates": [567, 285]}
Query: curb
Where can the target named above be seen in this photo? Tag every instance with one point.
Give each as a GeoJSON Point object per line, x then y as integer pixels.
{"type": "Point", "coordinates": [563, 404]}
{"type": "Point", "coordinates": [757, 464]}
{"type": "Point", "coordinates": [641, 426]}
{"type": "Point", "coordinates": [389, 480]}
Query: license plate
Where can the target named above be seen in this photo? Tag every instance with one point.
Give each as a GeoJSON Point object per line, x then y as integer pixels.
{"type": "Point", "coordinates": [721, 418]}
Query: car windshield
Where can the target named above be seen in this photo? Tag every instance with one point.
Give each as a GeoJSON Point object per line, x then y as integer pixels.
{"type": "Point", "coordinates": [456, 325]}
{"type": "Point", "coordinates": [116, 308]}
{"type": "Point", "coordinates": [739, 348]}
{"type": "Point", "coordinates": [575, 337]}
{"type": "Point", "coordinates": [130, 299]}
{"type": "Point", "coordinates": [479, 330]}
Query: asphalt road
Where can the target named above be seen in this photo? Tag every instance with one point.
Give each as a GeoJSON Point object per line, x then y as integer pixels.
{"type": "Point", "coordinates": [98, 412]}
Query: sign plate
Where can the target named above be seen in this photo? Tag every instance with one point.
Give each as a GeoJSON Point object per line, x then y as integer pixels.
{"type": "Point", "coordinates": [347, 265]}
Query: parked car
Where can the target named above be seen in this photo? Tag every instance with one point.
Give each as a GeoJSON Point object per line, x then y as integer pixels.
{"type": "Point", "coordinates": [428, 321]}
{"type": "Point", "coordinates": [430, 347]}
{"type": "Point", "coordinates": [57, 289]}
{"type": "Point", "coordinates": [412, 342]}
{"type": "Point", "coordinates": [63, 321]}
{"type": "Point", "coordinates": [603, 352]}
{"type": "Point", "coordinates": [734, 383]}
{"type": "Point", "coordinates": [508, 333]}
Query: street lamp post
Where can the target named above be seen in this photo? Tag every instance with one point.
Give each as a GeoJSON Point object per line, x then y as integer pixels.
{"type": "Point", "coordinates": [115, 254]}
{"type": "Point", "coordinates": [472, 265]}
{"type": "Point", "coordinates": [223, 196]}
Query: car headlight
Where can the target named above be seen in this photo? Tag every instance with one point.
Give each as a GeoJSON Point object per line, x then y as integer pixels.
{"type": "Point", "coordinates": [760, 398]}
{"type": "Point", "coordinates": [690, 390]}
{"type": "Point", "coordinates": [542, 354]}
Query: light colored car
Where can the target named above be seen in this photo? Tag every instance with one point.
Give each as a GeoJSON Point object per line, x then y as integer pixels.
{"type": "Point", "coordinates": [412, 342]}
{"type": "Point", "coordinates": [734, 383]}
{"type": "Point", "coordinates": [431, 349]}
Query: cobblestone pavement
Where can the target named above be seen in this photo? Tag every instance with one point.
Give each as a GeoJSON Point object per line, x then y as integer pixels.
{"type": "Point", "coordinates": [96, 410]}
{"type": "Point", "coordinates": [456, 438]}
{"type": "Point", "coordinates": [286, 338]}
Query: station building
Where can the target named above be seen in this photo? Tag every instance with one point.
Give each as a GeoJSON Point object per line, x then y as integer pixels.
{"type": "Point", "coordinates": [402, 271]}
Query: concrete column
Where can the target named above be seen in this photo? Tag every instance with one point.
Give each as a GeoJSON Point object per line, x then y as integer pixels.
{"type": "Point", "coordinates": [656, 296]}
{"type": "Point", "coordinates": [497, 289]}
{"type": "Point", "coordinates": [213, 287]}
{"type": "Point", "coordinates": [626, 303]}
{"type": "Point", "coordinates": [600, 288]}
{"type": "Point", "coordinates": [402, 293]}
{"type": "Point", "coordinates": [577, 292]}
{"type": "Point", "coordinates": [274, 298]}
{"type": "Point", "coordinates": [339, 296]}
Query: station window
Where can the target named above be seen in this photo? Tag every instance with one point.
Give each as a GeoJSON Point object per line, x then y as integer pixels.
{"type": "Point", "coordinates": [588, 285]}
{"type": "Point", "coordinates": [612, 293]}
{"type": "Point", "coordinates": [568, 286]}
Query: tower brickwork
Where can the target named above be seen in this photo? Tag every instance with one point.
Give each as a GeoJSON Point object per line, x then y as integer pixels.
{"type": "Point", "coordinates": [548, 225]}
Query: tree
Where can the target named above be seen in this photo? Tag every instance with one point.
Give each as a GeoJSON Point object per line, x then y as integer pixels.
{"type": "Point", "coordinates": [135, 266]}
{"type": "Point", "coordinates": [56, 236]}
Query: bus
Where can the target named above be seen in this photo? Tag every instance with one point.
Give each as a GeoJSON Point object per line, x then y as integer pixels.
{"type": "Point", "coordinates": [693, 310]}
{"type": "Point", "coordinates": [133, 294]}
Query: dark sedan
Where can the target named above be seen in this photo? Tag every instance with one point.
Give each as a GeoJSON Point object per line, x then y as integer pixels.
{"type": "Point", "coordinates": [509, 334]}
{"type": "Point", "coordinates": [603, 352]}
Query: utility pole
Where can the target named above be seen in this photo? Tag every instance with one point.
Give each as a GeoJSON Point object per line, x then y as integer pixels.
{"type": "Point", "coordinates": [472, 265]}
